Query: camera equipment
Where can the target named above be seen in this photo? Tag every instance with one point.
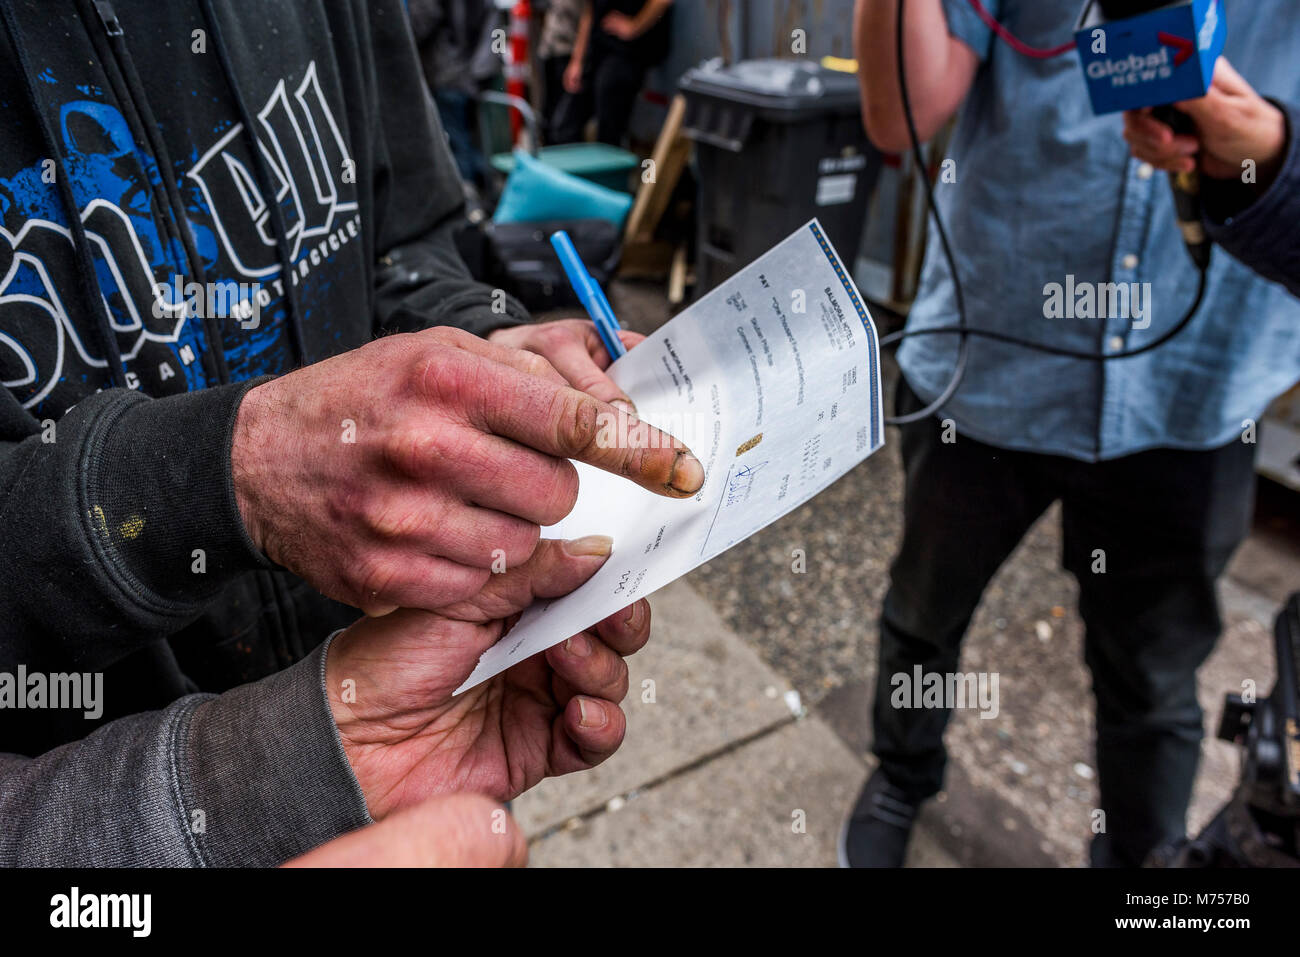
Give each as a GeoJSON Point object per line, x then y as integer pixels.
{"type": "Point", "coordinates": [1260, 825]}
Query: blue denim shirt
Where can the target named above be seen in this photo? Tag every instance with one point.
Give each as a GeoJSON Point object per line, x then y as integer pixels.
{"type": "Point", "coordinates": [1047, 193]}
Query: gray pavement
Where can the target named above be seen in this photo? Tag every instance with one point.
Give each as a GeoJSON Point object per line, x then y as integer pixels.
{"type": "Point", "coordinates": [697, 692]}
{"type": "Point", "coordinates": [720, 767]}
{"type": "Point", "coordinates": [718, 770]}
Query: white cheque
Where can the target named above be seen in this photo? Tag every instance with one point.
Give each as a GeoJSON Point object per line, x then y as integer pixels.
{"type": "Point", "coordinates": [773, 380]}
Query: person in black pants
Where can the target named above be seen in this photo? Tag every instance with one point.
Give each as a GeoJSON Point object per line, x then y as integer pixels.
{"type": "Point", "coordinates": [617, 42]}
{"type": "Point", "coordinates": [1150, 455]}
{"type": "Point", "coordinates": [554, 53]}
{"type": "Point", "coordinates": [1163, 522]}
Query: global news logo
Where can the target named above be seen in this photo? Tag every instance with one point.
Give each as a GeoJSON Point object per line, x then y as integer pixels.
{"type": "Point", "coordinates": [1133, 69]}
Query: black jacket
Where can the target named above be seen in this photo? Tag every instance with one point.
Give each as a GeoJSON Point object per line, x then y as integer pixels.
{"type": "Point", "coordinates": [1262, 230]}
{"type": "Point", "coordinates": [121, 547]}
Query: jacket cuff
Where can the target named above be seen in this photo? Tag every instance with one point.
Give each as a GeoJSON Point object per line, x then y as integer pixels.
{"type": "Point", "coordinates": [472, 311]}
{"type": "Point", "coordinates": [477, 311]}
{"type": "Point", "coordinates": [261, 773]}
{"type": "Point", "coordinates": [417, 292]}
{"type": "Point", "coordinates": [1235, 214]}
{"type": "Point", "coordinates": [160, 498]}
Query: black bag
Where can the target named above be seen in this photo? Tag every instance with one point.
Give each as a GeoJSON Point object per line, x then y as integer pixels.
{"type": "Point", "coordinates": [519, 258]}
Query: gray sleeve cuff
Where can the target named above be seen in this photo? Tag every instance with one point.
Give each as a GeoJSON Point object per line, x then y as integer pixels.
{"type": "Point", "coordinates": [261, 774]}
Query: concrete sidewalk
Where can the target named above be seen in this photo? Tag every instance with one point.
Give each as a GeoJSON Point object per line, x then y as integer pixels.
{"type": "Point", "coordinates": [721, 765]}
{"type": "Point", "coordinates": [724, 765]}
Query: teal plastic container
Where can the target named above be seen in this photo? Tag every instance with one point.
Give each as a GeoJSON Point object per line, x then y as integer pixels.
{"type": "Point", "coordinates": [598, 163]}
{"type": "Point", "coordinates": [538, 192]}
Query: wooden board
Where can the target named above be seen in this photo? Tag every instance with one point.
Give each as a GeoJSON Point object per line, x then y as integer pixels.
{"type": "Point", "coordinates": [669, 157]}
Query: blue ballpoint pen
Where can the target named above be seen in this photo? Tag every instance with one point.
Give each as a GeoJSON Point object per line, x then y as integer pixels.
{"type": "Point", "coordinates": [589, 293]}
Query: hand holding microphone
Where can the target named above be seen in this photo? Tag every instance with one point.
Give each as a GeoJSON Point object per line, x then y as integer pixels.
{"type": "Point", "coordinates": [1232, 125]}
{"type": "Point", "coordinates": [1149, 30]}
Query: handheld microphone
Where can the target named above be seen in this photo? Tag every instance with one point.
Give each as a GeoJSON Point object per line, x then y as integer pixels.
{"type": "Point", "coordinates": [1186, 186]}
{"type": "Point", "coordinates": [1187, 192]}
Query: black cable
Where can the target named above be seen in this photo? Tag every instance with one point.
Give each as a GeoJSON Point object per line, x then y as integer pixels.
{"type": "Point", "coordinates": [962, 329]}
{"type": "Point", "coordinates": [963, 349]}
{"type": "Point", "coordinates": [1059, 350]}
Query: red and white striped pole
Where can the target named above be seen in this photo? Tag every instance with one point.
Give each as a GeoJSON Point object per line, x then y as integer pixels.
{"type": "Point", "coordinates": [517, 63]}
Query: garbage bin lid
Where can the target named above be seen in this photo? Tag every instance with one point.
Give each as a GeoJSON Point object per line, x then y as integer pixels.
{"type": "Point", "coordinates": [774, 84]}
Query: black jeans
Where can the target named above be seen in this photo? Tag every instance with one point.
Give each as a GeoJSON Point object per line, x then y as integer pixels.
{"type": "Point", "coordinates": [1164, 522]}
{"type": "Point", "coordinates": [610, 84]}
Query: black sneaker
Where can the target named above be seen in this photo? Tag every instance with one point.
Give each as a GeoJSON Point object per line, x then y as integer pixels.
{"type": "Point", "coordinates": [877, 829]}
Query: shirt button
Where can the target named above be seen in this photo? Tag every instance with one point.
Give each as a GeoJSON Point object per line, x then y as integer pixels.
{"type": "Point", "coordinates": [1116, 343]}
{"type": "Point", "coordinates": [1146, 171]}
{"type": "Point", "coordinates": [1129, 262]}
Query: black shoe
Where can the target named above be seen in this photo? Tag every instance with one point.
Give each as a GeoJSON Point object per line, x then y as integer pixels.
{"type": "Point", "coordinates": [876, 832]}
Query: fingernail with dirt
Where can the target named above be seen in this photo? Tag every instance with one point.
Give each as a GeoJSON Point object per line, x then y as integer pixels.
{"type": "Point", "coordinates": [688, 474]}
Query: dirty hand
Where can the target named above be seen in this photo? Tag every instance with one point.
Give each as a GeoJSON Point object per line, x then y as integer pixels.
{"type": "Point", "coordinates": [390, 681]}
{"type": "Point", "coordinates": [398, 474]}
